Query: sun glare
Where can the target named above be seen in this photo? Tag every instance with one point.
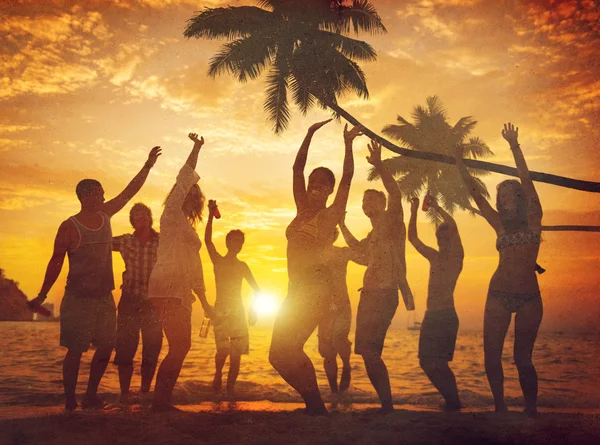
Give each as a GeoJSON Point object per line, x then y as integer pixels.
{"type": "Point", "coordinates": [265, 304]}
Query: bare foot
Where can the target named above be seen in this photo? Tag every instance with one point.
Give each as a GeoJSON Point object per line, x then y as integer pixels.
{"type": "Point", "coordinates": [500, 409]}
{"type": "Point", "coordinates": [71, 404]}
{"type": "Point", "coordinates": [385, 409]}
{"type": "Point", "coordinates": [452, 407]}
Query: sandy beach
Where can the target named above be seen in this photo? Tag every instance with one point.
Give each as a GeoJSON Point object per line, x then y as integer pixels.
{"type": "Point", "coordinates": [278, 423]}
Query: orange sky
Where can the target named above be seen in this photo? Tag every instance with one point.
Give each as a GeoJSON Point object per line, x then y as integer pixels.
{"type": "Point", "coordinates": [87, 88]}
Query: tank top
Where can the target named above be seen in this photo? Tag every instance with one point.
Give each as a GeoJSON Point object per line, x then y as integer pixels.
{"type": "Point", "coordinates": [90, 264]}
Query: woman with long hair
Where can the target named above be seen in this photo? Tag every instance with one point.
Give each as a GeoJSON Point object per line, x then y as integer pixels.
{"type": "Point", "coordinates": [309, 288]}
{"type": "Point", "coordinates": [514, 286]}
{"type": "Point", "coordinates": [178, 273]}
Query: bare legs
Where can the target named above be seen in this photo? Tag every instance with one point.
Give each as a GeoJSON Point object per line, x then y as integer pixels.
{"type": "Point", "coordinates": [71, 373]}
{"type": "Point", "coordinates": [378, 375]}
{"type": "Point", "coordinates": [294, 325]}
{"type": "Point", "coordinates": [495, 325]}
{"type": "Point", "coordinates": [176, 322]}
{"type": "Point", "coordinates": [527, 323]}
{"type": "Point", "coordinates": [132, 318]}
{"type": "Point", "coordinates": [331, 371]}
{"type": "Point", "coordinates": [235, 360]}
{"type": "Point", "coordinates": [443, 379]}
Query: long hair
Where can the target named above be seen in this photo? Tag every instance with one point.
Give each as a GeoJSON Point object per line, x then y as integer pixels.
{"type": "Point", "coordinates": [513, 221]}
{"type": "Point", "coordinates": [195, 198]}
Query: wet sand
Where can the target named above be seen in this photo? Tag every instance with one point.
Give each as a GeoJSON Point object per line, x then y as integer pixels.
{"type": "Point", "coordinates": [284, 423]}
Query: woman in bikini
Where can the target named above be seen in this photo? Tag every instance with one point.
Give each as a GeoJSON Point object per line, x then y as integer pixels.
{"type": "Point", "coordinates": [514, 287]}
{"type": "Point", "coordinates": [309, 288]}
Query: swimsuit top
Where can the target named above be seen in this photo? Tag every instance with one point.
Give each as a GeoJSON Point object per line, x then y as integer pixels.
{"type": "Point", "coordinates": [517, 238]}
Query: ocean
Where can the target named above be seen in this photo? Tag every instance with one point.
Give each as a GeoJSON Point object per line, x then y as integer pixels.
{"type": "Point", "coordinates": [568, 366]}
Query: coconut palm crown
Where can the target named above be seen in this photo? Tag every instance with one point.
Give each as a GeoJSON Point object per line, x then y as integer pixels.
{"type": "Point", "coordinates": [431, 132]}
{"type": "Point", "coordinates": [302, 44]}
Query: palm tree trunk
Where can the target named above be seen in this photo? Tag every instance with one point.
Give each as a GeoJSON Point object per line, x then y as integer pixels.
{"type": "Point", "coordinates": [571, 228]}
{"type": "Point", "coordinates": [561, 181]}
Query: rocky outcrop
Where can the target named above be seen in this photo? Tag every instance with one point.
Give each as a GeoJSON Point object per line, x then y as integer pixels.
{"type": "Point", "coordinates": [13, 302]}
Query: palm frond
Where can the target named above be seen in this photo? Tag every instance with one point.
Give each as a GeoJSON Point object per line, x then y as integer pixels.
{"type": "Point", "coordinates": [406, 132]}
{"type": "Point", "coordinates": [351, 48]}
{"type": "Point", "coordinates": [229, 23]}
{"type": "Point", "coordinates": [435, 107]}
{"type": "Point", "coordinates": [401, 165]}
{"type": "Point", "coordinates": [301, 93]}
{"type": "Point", "coordinates": [332, 73]}
{"type": "Point", "coordinates": [477, 148]}
{"type": "Point", "coordinates": [411, 184]}
{"type": "Point", "coordinates": [244, 58]}
{"type": "Point", "coordinates": [361, 16]}
{"type": "Point", "coordinates": [276, 103]}
{"type": "Point", "coordinates": [464, 126]}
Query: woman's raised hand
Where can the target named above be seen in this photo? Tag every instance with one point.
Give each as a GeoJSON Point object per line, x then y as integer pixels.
{"type": "Point", "coordinates": [511, 134]}
{"type": "Point", "coordinates": [194, 137]}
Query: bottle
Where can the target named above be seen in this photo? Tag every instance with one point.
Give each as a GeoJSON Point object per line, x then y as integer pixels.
{"type": "Point", "coordinates": [39, 309]}
{"type": "Point", "coordinates": [205, 327]}
{"type": "Point", "coordinates": [426, 202]}
{"type": "Point", "coordinates": [215, 211]}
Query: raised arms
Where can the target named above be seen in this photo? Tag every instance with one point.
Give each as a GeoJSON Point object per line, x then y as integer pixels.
{"type": "Point", "coordinates": [118, 202]}
{"type": "Point", "coordinates": [428, 252]}
{"type": "Point", "coordinates": [212, 250]}
{"type": "Point", "coordinates": [299, 184]}
{"type": "Point", "coordinates": [511, 134]}
{"type": "Point", "coordinates": [484, 206]}
{"type": "Point", "coordinates": [336, 211]}
{"type": "Point", "coordinates": [395, 197]}
{"type": "Point", "coordinates": [192, 159]}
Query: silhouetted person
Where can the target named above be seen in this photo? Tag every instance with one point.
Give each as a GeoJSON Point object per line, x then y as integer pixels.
{"type": "Point", "coordinates": [136, 313]}
{"type": "Point", "coordinates": [440, 324]}
{"type": "Point", "coordinates": [384, 250]}
{"type": "Point", "coordinates": [229, 316]}
{"type": "Point", "coordinates": [87, 310]}
{"type": "Point", "coordinates": [335, 327]}
{"type": "Point", "coordinates": [178, 272]}
{"type": "Point", "coordinates": [514, 286]}
{"type": "Point", "coordinates": [309, 288]}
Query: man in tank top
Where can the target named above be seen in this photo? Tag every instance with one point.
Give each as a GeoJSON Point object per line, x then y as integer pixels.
{"type": "Point", "coordinates": [87, 311]}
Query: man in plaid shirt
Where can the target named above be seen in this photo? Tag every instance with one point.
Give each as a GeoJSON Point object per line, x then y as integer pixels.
{"type": "Point", "coordinates": [135, 311]}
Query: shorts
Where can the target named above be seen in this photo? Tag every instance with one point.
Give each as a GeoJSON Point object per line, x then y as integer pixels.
{"type": "Point", "coordinates": [438, 334]}
{"type": "Point", "coordinates": [231, 332]}
{"type": "Point", "coordinates": [133, 317]}
{"type": "Point", "coordinates": [334, 331]}
{"type": "Point", "coordinates": [376, 310]}
{"type": "Point", "coordinates": [85, 321]}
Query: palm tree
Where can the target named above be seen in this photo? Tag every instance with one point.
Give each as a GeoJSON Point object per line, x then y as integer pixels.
{"type": "Point", "coordinates": [306, 48]}
{"type": "Point", "coordinates": [301, 44]}
{"type": "Point", "coordinates": [431, 132]}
